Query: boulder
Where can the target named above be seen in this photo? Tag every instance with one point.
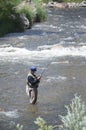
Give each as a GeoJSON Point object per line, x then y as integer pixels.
{"type": "Point", "coordinates": [57, 5]}
{"type": "Point", "coordinates": [66, 5]}
{"type": "Point", "coordinates": [25, 21]}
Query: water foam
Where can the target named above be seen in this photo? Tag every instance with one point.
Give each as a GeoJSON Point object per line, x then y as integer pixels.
{"type": "Point", "coordinates": [59, 78]}
{"type": "Point", "coordinates": [42, 52]}
{"type": "Point", "coordinates": [10, 114]}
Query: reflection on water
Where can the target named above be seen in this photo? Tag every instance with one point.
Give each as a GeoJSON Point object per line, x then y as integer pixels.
{"type": "Point", "coordinates": [57, 46]}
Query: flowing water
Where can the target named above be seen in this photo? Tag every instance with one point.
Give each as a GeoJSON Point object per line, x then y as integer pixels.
{"type": "Point", "coordinates": [57, 46]}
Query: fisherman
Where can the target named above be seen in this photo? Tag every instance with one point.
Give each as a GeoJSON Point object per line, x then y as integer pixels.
{"type": "Point", "coordinates": [32, 85]}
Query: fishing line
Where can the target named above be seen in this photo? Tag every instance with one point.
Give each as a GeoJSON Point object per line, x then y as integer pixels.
{"type": "Point", "coordinates": [48, 65]}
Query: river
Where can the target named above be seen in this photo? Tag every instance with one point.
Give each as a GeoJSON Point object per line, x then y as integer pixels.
{"type": "Point", "coordinates": [57, 46]}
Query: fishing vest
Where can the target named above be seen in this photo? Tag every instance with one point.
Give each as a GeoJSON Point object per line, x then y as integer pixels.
{"type": "Point", "coordinates": [29, 84]}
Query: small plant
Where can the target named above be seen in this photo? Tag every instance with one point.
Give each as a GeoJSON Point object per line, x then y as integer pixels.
{"type": "Point", "coordinates": [41, 14]}
{"type": "Point", "coordinates": [19, 127]}
{"type": "Point", "coordinates": [42, 124]}
{"type": "Point", "coordinates": [76, 115]}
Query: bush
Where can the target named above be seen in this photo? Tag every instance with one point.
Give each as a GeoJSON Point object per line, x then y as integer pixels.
{"type": "Point", "coordinates": [8, 25]}
{"type": "Point", "coordinates": [7, 7]}
{"type": "Point", "coordinates": [28, 11]}
{"type": "Point", "coordinates": [41, 15]}
{"type": "Point", "coordinates": [5, 26]}
{"type": "Point", "coordinates": [9, 19]}
{"type": "Point", "coordinates": [76, 115]}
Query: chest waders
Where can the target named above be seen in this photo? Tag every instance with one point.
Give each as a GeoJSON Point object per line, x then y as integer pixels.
{"type": "Point", "coordinates": [32, 90]}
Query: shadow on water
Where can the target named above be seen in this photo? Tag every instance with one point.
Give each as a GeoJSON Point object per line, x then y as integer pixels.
{"type": "Point", "coordinates": [33, 32]}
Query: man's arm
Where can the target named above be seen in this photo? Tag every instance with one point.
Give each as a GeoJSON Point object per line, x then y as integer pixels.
{"type": "Point", "coordinates": [33, 81]}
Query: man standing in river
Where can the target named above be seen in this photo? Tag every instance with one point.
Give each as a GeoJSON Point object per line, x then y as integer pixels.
{"type": "Point", "coordinates": [32, 85]}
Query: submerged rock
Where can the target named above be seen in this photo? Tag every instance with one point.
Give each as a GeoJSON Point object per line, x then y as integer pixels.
{"type": "Point", "coordinates": [73, 4]}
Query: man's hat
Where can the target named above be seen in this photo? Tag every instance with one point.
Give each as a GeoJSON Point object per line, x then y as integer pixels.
{"type": "Point", "coordinates": [33, 68]}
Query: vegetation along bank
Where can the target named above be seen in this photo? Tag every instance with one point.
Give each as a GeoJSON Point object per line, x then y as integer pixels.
{"type": "Point", "coordinates": [18, 15]}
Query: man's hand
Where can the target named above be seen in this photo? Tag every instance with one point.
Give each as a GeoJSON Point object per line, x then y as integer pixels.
{"type": "Point", "coordinates": [39, 77]}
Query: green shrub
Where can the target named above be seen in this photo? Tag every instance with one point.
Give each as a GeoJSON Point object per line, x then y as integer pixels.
{"type": "Point", "coordinates": [19, 127]}
{"type": "Point", "coordinates": [76, 115]}
{"type": "Point", "coordinates": [28, 11]}
{"type": "Point", "coordinates": [40, 14]}
{"type": "Point", "coordinates": [42, 124]}
{"type": "Point", "coordinates": [10, 21]}
{"type": "Point", "coordinates": [7, 7]}
{"type": "Point", "coordinates": [8, 25]}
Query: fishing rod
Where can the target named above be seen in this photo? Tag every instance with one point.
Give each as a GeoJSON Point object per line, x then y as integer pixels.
{"type": "Point", "coordinates": [47, 65]}
{"type": "Point", "coordinates": [45, 69]}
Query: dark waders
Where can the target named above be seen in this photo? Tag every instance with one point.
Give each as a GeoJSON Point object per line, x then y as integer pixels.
{"type": "Point", "coordinates": [33, 93]}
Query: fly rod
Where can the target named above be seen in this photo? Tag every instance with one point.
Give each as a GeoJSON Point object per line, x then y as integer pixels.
{"type": "Point", "coordinates": [47, 65]}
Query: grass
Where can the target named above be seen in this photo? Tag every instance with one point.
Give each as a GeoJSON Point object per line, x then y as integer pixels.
{"type": "Point", "coordinates": [41, 14]}
{"type": "Point", "coordinates": [28, 11]}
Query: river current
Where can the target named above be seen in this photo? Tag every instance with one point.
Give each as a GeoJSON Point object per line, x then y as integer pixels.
{"type": "Point", "coordinates": [57, 46]}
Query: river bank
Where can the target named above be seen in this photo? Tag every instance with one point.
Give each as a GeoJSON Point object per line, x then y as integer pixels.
{"type": "Point", "coordinates": [21, 16]}
{"type": "Point", "coordinates": [64, 5]}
